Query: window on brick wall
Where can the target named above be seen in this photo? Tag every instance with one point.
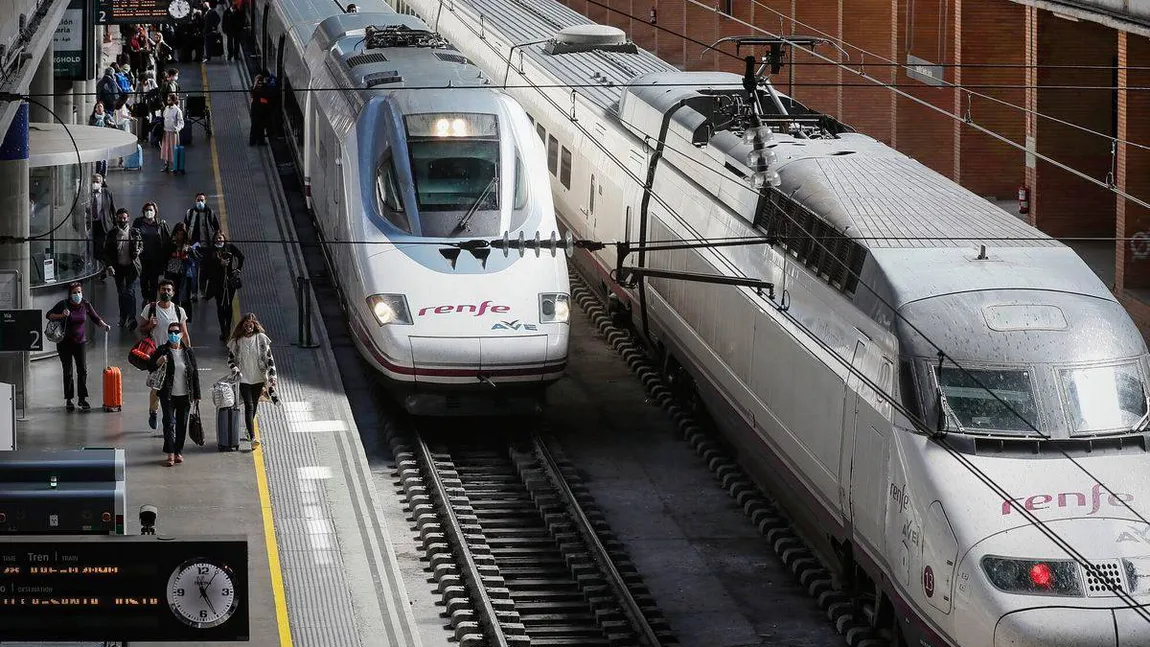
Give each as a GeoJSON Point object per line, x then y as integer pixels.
{"type": "Point", "coordinates": [728, 7]}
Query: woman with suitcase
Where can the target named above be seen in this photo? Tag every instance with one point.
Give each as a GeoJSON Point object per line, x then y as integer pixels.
{"type": "Point", "coordinates": [178, 392]}
{"type": "Point", "coordinates": [173, 124]}
{"type": "Point", "coordinates": [74, 312]}
{"type": "Point", "coordinates": [251, 361]}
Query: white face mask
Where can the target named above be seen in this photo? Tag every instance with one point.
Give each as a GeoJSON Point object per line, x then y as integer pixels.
{"type": "Point", "coordinates": [149, 214]}
{"type": "Point", "coordinates": [95, 186]}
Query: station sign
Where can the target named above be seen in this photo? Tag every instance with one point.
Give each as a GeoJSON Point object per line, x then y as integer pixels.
{"type": "Point", "coordinates": [114, 12]}
{"type": "Point", "coordinates": [21, 330]}
{"type": "Point", "coordinates": [143, 588]}
{"type": "Point", "coordinates": [73, 43]}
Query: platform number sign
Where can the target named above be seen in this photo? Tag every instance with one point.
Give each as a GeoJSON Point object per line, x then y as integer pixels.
{"type": "Point", "coordinates": [928, 581]}
{"type": "Point", "coordinates": [21, 330]}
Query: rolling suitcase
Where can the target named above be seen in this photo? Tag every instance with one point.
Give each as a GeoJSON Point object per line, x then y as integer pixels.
{"type": "Point", "coordinates": [179, 160]}
{"type": "Point", "coordinates": [113, 383]}
{"type": "Point", "coordinates": [135, 161]}
{"type": "Point", "coordinates": [228, 425]}
{"type": "Point", "coordinates": [186, 135]}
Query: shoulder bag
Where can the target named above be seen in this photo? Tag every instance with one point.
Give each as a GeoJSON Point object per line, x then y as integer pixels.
{"type": "Point", "coordinates": [142, 352]}
{"type": "Point", "coordinates": [54, 331]}
{"type": "Point", "coordinates": [196, 426]}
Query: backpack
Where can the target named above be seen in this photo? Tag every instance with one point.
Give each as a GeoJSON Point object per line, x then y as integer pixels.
{"type": "Point", "coordinates": [123, 82]}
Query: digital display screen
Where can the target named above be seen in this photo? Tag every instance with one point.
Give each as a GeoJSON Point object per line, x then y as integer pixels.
{"type": "Point", "coordinates": [132, 11]}
{"type": "Point", "coordinates": [118, 588]}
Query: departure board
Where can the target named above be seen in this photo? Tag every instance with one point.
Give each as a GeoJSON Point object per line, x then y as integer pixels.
{"type": "Point", "coordinates": [123, 589]}
{"type": "Point", "coordinates": [132, 11]}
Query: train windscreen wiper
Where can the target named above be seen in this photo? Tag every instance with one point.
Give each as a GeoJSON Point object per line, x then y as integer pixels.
{"type": "Point", "coordinates": [462, 225]}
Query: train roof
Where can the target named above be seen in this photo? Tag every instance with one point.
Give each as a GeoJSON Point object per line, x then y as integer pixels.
{"type": "Point", "coordinates": [883, 198]}
{"type": "Point", "coordinates": [525, 21]}
{"type": "Point", "coordinates": [302, 16]}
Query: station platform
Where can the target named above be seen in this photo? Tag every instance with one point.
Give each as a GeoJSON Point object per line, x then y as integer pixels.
{"type": "Point", "coordinates": [322, 567]}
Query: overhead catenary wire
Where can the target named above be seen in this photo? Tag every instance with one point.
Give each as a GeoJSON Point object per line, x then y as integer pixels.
{"type": "Point", "coordinates": [1034, 520]}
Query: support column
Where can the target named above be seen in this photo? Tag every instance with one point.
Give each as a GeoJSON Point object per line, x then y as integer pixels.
{"type": "Point", "coordinates": [1120, 180]}
{"type": "Point", "coordinates": [42, 88]}
{"type": "Point", "coordinates": [15, 256]}
{"type": "Point", "coordinates": [1031, 140]}
{"type": "Point", "coordinates": [80, 108]}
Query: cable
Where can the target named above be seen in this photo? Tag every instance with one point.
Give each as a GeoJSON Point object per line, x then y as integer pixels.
{"type": "Point", "coordinates": [962, 460]}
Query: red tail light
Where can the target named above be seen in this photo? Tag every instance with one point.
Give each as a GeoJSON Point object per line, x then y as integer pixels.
{"type": "Point", "coordinates": [1041, 576]}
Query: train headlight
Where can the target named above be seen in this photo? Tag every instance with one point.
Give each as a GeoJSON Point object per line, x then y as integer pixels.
{"type": "Point", "coordinates": [1034, 576]}
{"type": "Point", "coordinates": [389, 309]}
{"type": "Point", "coordinates": [554, 307]}
{"type": "Point", "coordinates": [1138, 575]}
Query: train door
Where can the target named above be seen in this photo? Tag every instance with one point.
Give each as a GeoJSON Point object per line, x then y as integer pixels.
{"type": "Point", "coordinates": [866, 441]}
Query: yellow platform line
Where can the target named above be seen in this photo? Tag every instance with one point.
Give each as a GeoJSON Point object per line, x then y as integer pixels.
{"type": "Point", "coordinates": [261, 469]}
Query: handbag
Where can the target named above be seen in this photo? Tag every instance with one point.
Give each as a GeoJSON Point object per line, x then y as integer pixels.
{"type": "Point", "coordinates": [54, 331]}
{"type": "Point", "coordinates": [196, 426]}
{"type": "Point", "coordinates": [142, 353]}
{"type": "Point", "coordinates": [155, 379]}
{"type": "Point", "coordinates": [234, 282]}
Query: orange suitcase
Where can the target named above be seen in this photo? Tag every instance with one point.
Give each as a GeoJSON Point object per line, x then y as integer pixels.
{"type": "Point", "coordinates": [113, 383]}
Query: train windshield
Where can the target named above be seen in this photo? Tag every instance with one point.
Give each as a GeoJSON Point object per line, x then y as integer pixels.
{"type": "Point", "coordinates": [455, 168]}
{"type": "Point", "coordinates": [1103, 398]}
{"type": "Point", "coordinates": [989, 399]}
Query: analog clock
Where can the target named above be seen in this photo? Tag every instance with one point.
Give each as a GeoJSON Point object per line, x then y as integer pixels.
{"type": "Point", "coordinates": [202, 594]}
{"type": "Point", "coordinates": [179, 9]}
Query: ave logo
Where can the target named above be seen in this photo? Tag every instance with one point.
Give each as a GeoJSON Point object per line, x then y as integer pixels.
{"type": "Point", "coordinates": [514, 325]}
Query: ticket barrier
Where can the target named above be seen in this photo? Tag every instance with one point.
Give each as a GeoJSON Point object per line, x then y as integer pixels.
{"type": "Point", "coordinates": [70, 492]}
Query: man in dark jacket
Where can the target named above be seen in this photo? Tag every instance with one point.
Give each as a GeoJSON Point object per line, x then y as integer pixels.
{"type": "Point", "coordinates": [211, 30]}
{"type": "Point", "coordinates": [108, 90]}
{"type": "Point", "coordinates": [233, 24]}
{"type": "Point", "coordinates": [202, 225]}
{"type": "Point", "coordinates": [122, 249]}
{"type": "Point", "coordinates": [101, 214]}
{"type": "Point", "coordinates": [154, 255]}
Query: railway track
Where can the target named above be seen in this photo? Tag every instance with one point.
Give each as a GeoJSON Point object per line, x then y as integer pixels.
{"type": "Point", "coordinates": [519, 552]}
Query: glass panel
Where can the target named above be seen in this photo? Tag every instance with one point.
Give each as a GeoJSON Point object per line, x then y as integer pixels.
{"type": "Point", "coordinates": [519, 206]}
{"type": "Point", "coordinates": [61, 231]}
{"type": "Point", "coordinates": [542, 132]}
{"type": "Point", "coordinates": [565, 168]}
{"type": "Point", "coordinates": [452, 174]}
{"type": "Point", "coordinates": [1103, 398]}
{"type": "Point", "coordinates": [387, 196]}
{"type": "Point", "coordinates": [1005, 404]}
{"type": "Point", "coordinates": [552, 154]}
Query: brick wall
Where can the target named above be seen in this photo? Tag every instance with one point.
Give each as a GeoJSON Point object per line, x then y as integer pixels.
{"type": "Point", "coordinates": [868, 28]}
{"type": "Point", "coordinates": [1136, 253]}
{"type": "Point", "coordinates": [671, 15]}
{"type": "Point", "coordinates": [924, 133]}
{"type": "Point", "coordinates": [816, 82]}
{"type": "Point", "coordinates": [990, 36]}
{"type": "Point", "coordinates": [1072, 206]}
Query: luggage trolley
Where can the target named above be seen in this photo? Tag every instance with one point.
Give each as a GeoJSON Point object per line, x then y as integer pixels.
{"type": "Point", "coordinates": [196, 111]}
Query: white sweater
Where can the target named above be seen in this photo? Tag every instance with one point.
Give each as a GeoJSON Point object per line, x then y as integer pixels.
{"type": "Point", "coordinates": [173, 119]}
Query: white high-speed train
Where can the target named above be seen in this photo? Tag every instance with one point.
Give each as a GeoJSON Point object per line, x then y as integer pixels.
{"type": "Point", "coordinates": [943, 490]}
{"type": "Point", "coordinates": [393, 169]}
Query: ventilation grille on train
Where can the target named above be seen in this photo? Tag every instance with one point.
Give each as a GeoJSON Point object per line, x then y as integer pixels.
{"type": "Point", "coordinates": [364, 59]}
{"type": "Point", "coordinates": [382, 78]}
{"type": "Point", "coordinates": [1104, 579]}
{"type": "Point", "coordinates": [453, 58]}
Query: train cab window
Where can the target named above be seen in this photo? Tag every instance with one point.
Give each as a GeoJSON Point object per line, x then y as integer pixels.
{"type": "Point", "coordinates": [542, 132]}
{"type": "Point", "coordinates": [1103, 398]}
{"type": "Point", "coordinates": [530, 118]}
{"type": "Point", "coordinates": [552, 154]}
{"type": "Point", "coordinates": [565, 167]}
{"type": "Point", "coordinates": [989, 399]}
{"type": "Point", "coordinates": [455, 172]}
{"type": "Point", "coordinates": [387, 195]}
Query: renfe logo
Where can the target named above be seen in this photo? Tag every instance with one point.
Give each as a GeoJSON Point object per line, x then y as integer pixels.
{"type": "Point", "coordinates": [1067, 500]}
{"type": "Point", "coordinates": [479, 310]}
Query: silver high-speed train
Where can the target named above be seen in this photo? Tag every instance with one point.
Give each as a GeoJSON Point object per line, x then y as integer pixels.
{"type": "Point", "coordinates": [402, 147]}
{"type": "Point", "coordinates": [944, 489]}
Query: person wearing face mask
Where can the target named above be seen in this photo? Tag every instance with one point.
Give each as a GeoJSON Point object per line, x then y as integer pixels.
{"type": "Point", "coordinates": [75, 311]}
{"type": "Point", "coordinates": [178, 265]}
{"type": "Point", "coordinates": [173, 124]}
{"type": "Point", "coordinates": [155, 320]}
{"type": "Point", "coordinates": [156, 236]}
{"type": "Point", "coordinates": [251, 362]}
{"type": "Point", "coordinates": [122, 248]}
{"type": "Point", "coordinates": [179, 391]}
{"type": "Point", "coordinates": [202, 225]}
{"type": "Point", "coordinates": [101, 214]}
{"type": "Point", "coordinates": [222, 267]}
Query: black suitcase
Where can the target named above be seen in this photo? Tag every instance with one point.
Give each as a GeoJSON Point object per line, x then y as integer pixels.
{"type": "Point", "coordinates": [216, 45]}
{"type": "Point", "coordinates": [186, 135]}
{"type": "Point", "coordinates": [228, 426]}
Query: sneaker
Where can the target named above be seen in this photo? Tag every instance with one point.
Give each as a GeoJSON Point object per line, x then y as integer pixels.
{"type": "Point", "coordinates": [255, 443]}
{"type": "Point", "coordinates": [84, 406]}
{"type": "Point", "coordinates": [69, 406]}
{"type": "Point", "coordinates": [152, 419]}
{"type": "Point", "coordinates": [179, 458]}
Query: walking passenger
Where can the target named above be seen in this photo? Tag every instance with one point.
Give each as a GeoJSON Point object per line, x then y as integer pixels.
{"type": "Point", "coordinates": [250, 358]}
{"type": "Point", "coordinates": [155, 235]}
{"type": "Point", "coordinates": [176, 267]}
{"type": "Point", "coordinates": [101, 214]}
{"type": "Point", "coordinates": [74, 312]}
{"type": "Point", "coordinates": [221, 266]}
{"type": "Point", "coordinates": [173, 124]}
{"type": "Point", "coordinates": [122, 249]}
{"type": "Point", "coordinates": [260, 109]}
{"type": "Point", "coordinates": [233, 26]}
{"type": "Point", "coordinates": [180, 389]}
{"type": "Point", "coordinates": [155, 320]}
{"type": "Point", "coordinates": [202, 226]}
